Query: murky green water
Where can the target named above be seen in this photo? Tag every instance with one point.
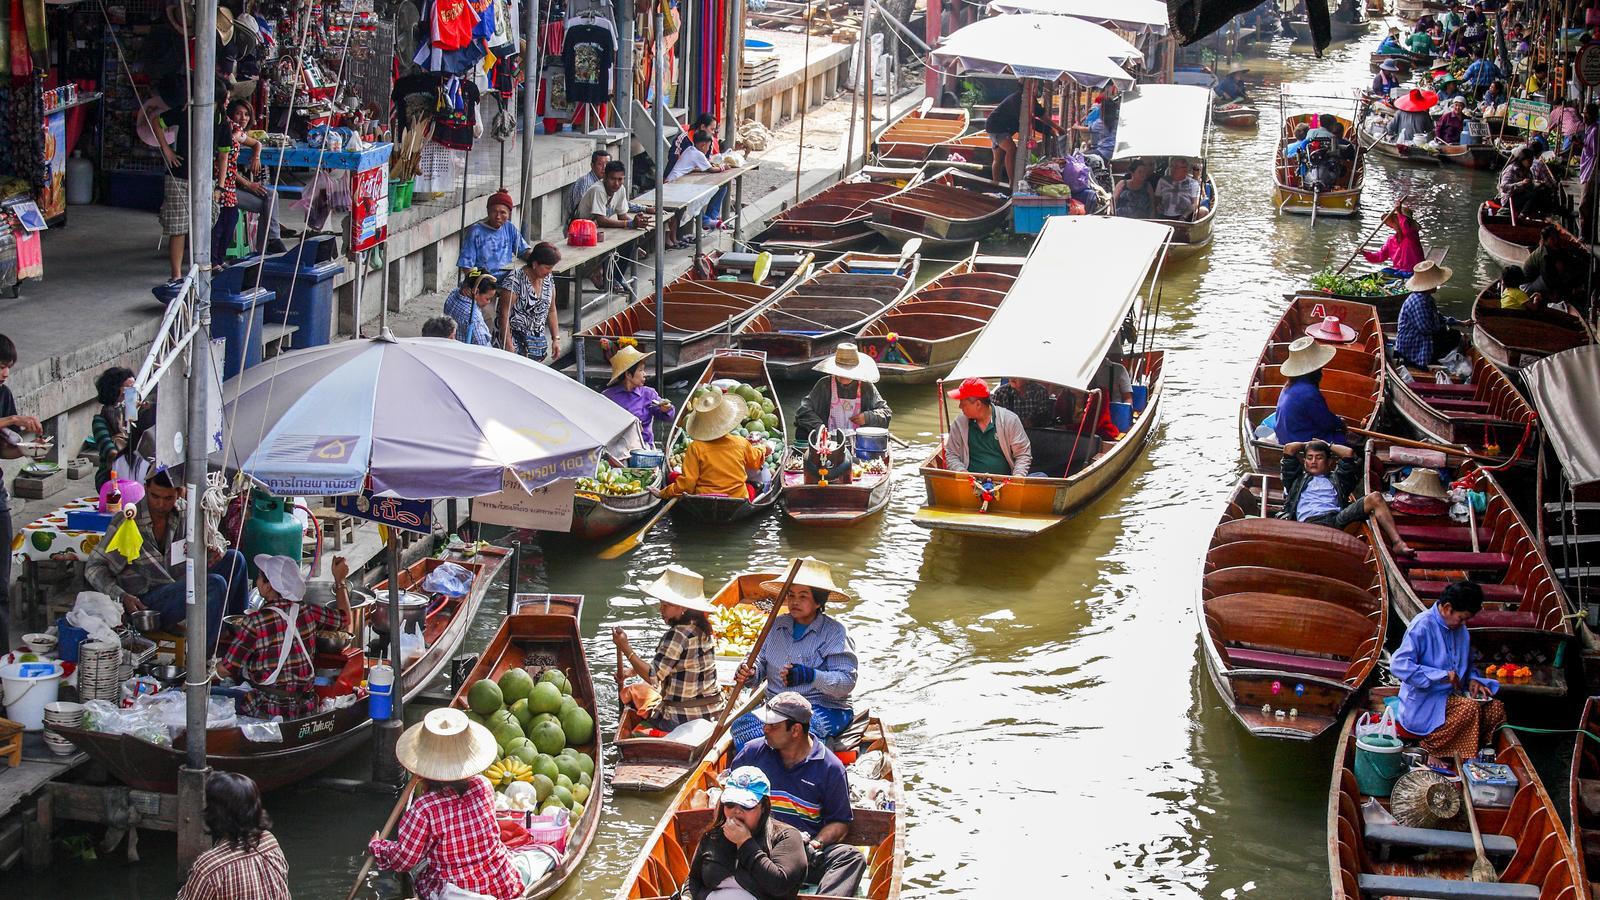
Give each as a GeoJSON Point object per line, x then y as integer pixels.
{"type": "Point", "coordinates": [1056, 730]}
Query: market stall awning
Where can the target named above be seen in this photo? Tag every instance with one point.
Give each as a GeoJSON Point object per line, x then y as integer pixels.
{"type": "Point", "coordinates": [1565, 389]}
{"type": "Point", "coordinates": [1137, 16]}
{"type": "Point", "coordinates": [1049, 48]}
{"type": "Point", "coordinates": [1163, 120]}
{"type": "Point", "coordinates": [1066, 307]}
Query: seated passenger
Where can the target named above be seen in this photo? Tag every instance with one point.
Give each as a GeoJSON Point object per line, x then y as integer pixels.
{"type": "Point", "coordinates": [1110, 381]}
{"type": "Point", "coordinates": [717, 461]}
{"type": "Point", "coordinates": [1424, 336]}
{"type": "Point", "coordinates": [1440, 691]}
{"type": "Point", "coordinates": [1303, 413]}
{"type": "Point", "coordinates": [1028, 399]}
{"type": "Point", "coordinates": [1318, 490]}
{"type": "Point", "coordinates": [985, 439]}
{"type": "Point", "coordinates": [1391, 45]}
{"type": "Point", "coordinates": [748, 852]}
{"type": "Point", "coordinates": [1179, 195]}
{"type": "Point", "coordinates": [1512, 293]}
{"type": "Point", "coordinates": [1134, 197]}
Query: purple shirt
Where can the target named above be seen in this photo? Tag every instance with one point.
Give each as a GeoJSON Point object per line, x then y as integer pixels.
{"type": "Point", "coordinates": [641, 403]}
{"type": "Point", "coordinates": [1591, 135]}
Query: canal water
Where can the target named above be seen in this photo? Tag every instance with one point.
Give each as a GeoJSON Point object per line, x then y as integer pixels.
{"type": "Point", "coordinates": [1056, 729]}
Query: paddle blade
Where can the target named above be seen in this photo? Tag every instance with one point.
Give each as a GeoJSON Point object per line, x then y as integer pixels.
{"type": "Point", "coordinates": [762, 268]}
{"type": "Point", "coordinates": [631, 541]}
{"type": "Point", "coordinates": [910, 250]}
{"type": "Point", "coordinates": [924, 106]}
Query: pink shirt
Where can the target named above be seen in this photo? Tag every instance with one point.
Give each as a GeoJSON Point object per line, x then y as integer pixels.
{"type": "Point", "coordinates": [1403, 249]}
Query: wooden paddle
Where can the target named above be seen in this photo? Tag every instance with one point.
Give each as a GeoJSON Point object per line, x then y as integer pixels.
{"type": "Point", "coordinates": [1482, 869]}
{"type": "Point", "coordinates": [1423, 445]}
{"type": "Point", "coordinates": [394, 817]}
{"type": "Point", "coordinates": [1370, 235]}
{"type": "Point", "coordinates": [755, 651]}
{"type": "Point", "coordinates": [632, 540]}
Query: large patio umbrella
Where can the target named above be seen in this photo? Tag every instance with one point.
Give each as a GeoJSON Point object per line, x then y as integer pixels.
{"type": "Point", "coordinates": [1047, 48]}
{"type": "Point", "coordinates": [1128, 15]}
{"type": "Point", "coordinates": [423, 418]}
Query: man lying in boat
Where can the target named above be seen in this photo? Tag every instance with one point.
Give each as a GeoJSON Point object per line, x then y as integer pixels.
{"type": "Point", "coordinates": [1318, 490]}
{"type": "Point", "coordinates": [985, 439]}
{"type": "Point", "coordinates": [1445, 702]}
{"type": "Point", "coordinates": [845, 399]}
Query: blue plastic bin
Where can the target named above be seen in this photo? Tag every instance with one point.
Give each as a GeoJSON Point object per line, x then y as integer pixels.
{"type": "Point", "coordinates": [237, 314]}
{"type": "Point", "coordinates": [302, 278]}
{"type": "Point", "coordinates": [1028, 211]}
{"type": "Point", "coordinates": [68, 637]}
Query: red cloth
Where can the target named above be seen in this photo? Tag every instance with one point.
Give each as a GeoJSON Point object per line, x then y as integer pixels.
{"type": "Point", "coordinates": [453, 23]}
{"type": "Point", "coordinates": [257, 646]}
{"type": "Point", "coordinates": [457, 840]}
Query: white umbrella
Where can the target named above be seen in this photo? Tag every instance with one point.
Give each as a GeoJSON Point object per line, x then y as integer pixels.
{"type": "Point", "coordinates": [1049, 48]}
{"type": "Point", "coordinates": [1127, 15]}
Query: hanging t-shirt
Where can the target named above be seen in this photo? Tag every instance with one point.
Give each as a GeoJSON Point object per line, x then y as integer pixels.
{"type": "Point", "coordinates": [452, 24]}
{"type": "Point", "coordinates": [587, 57]}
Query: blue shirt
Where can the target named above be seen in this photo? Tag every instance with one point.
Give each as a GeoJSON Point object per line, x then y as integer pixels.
{"type": "Point", "coordinates": [825, 647]}
{"type": "Point", "coordinates": [1103, 142]}
{"type": "Point", "coordinates": [1318, 497]}
{"type": "Point", "coordinates": [1481, 74]}
{"type": "Point", "coordinates": [1420, 322]}
{"type": "Point", "coordinates": [1429, 652]}
{"type": "Point", "coordinates": [1303, 415]}
{"type": "Point", "coordinates": [492, 250]}
{"type": "Point", "coordinates": [470, 326]}
{"type": "Point", "coordinates": [808, 796]}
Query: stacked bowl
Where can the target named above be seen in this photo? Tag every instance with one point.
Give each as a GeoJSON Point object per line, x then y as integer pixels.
{"type": "Point", "coordinates": [61, 714]}
{"type": "Point", "coordinates": [100, 671]}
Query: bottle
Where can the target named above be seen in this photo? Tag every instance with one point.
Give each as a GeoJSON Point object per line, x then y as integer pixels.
{"type": "Point", "coordinates": [114, 500]}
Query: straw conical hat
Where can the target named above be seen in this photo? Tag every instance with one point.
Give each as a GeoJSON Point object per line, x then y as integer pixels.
{"type": "Point", "coordinates": [1428, 275]}
{"type": "Point", "coordinates": [1306, 356]}
{"type": "Point", "coordinates": [814, 573]}
{"type": "Point", "coordinates": [1423, 483]}
{"type": "Point", "coordinates": [714, 415]}
{"type": "Point", "coordinates": [848, 362]}
{"type": "Point", "coordinates": [680, 587]}
{"type": "Point", "coordinates": [446, 746]}
{"type": "Point", "coordinates": [625, 359]}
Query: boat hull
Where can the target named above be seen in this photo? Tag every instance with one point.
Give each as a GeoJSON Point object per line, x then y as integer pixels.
{"type": "Point", "coordinates": [1506, 243]}
{"type": "Point", "coordinates": [1299, 202]}
{"type": "Point", "coordinates": [1493, 433]}
{"type": "Point", "coordinates": [1484, 157]}
{"type": "Point", "coordinates": [837, 505]}
{"type": "Point", "coordinates": [750, 368]}
{"type": "Point", "coordinates": [1513, 339]}
{"type": "Point", "coordinates": [593, 517]}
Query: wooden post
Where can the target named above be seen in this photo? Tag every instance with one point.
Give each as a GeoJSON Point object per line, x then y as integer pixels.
{"type": "Point", "coordinates": [1024, 131]}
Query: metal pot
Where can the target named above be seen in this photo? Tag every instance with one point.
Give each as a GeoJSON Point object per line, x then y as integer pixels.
{"type": "Point", "coordinates": [334, 641]}
{"type": "Point", "coordinates": [413, 609]}
{"type": "Point", "coordinates": [145, 620]}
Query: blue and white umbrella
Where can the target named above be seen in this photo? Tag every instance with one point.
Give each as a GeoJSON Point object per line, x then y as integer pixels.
{"type": "Point", "coordinates": [423, 418]}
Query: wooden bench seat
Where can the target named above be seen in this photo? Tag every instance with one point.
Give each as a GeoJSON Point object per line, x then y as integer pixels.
{"type": "Point", "coordinates": [1494, 593]}
{"type": "Point", "coordinates": [1242, 658]}
{"type": "Point", "coordinates": [1443, 888]}
{"type": "Point", "coordinates": [1448, 404]}
{"type": "Point", "coordinates": [1433, 389]}
{"type": "Point", "coordinates": [1459, 535]}
{"type": "Point", "coordinates": [1438, 839]}
{"type": "Point", "coordinates": [1453, 559]}
{"type": "Point", "coordinates": [1504, 618]}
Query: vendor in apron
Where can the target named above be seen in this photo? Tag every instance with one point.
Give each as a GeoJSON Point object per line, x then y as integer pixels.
{"type": "Point", "coordinates": [271, 650]}
{"type": "Point", "coordinates": [846, 399]}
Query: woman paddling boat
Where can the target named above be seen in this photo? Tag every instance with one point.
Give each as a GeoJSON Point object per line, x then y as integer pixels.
{"type": "Point", "coordinates": [682, 676]}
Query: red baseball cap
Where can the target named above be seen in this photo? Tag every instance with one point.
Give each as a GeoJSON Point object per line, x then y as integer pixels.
{"type": "Point", "coordinates": [972, 388]}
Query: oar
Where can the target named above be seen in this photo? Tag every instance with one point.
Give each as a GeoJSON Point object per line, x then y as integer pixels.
{"type": "Point", "coordinates": [1423, 445]}
{"type": "Point", "coordinates": [898, 442]}
{"type": "Point", "coordinates": [1482, 869]}
{"type": "Point", "coordinates": [908, 251]}
{"type": "Point", "coordinates": [1370, 235]}
{"type": "Point", "coordinates": [394, 816]}
{"type": "Point", "coordinates": [755, 651]}
{"type": "Point", "coordinates": [632, 540]}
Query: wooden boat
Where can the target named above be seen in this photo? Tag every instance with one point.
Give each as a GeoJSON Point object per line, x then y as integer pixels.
{"type": "Point", "coordinates": [1412, 10]}
{"type": "Point", "coordinates": [1417, 154]}
{"type": "Point", "coordinates": [1235, 115]}
{"type": "Point", "coordinates": [1526, 842]}
{"type": "Point", "coordinates": [1107, 260]}
{"type": "Point", "coordinates": [1405, 61]}
{"type": "Point", "coordinates": [702, 312]}
{"type": "Point", "coordinates": [663, 865]}
{"type": "Point", "coordinates": [835, 219]}
{"type": "Point", "coordinates": [836, 505]}
{"type": "Point", "coordinates": [1513, 338]}
{"type": "Point", "coordinates": [1583, 795]}
{"type": "Point", "coordinates": [1290, 196]}
{"type": "Point", "coordinates": [1524, 618]}
{"type": "Point", "coordinates": [1339, 30]}
{"type": "Point", "coordinates": [1352, 383]}
{"type": "Point", "coordinates": [748, 366]}
{"type": "Point", "coordinates": [1285, 602]}
{"type": "Point", "coordinates": [1485, 414]}
{"type": "Point", "coordinates": [952, 207]}
{"type": "Point", "coordinates": [596, 515]}
{"type": "Point", "coordinates": [1387, 305]}
{"type": "Point", "coordinates": [1484, 157]}
{"type": "Point", "coordinates": [920, 339]}
{"type": "Point", "coordinates": [1161, 121]}
{"type": "Point", "coordinates": [1508, 241]}
{"type": "Point", "coordinates": [548, 604]}
{"type": "Point", "coordinates": [973, 152]}
{"type": "Point", "coordinates": [915, 135]}
{"type": "Point", "coordinates": [532, 639]}
{"type": "Point", "coordinates": [836, 301]}
{"type": "Point", "coordinates": [651, 764]}
{"type": "Point", "coordinates": [313, 742]}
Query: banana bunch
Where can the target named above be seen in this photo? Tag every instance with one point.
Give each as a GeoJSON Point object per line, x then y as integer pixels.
{"type": "Point", "coordinates": [737, 628]}
{"type": "Point", "coordinates": [502, 773]}
{"type": "Point", "coordinates": [611, 482]}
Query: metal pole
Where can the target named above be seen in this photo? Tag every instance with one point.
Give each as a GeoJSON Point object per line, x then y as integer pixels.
{"type": "Point", "coordinates": [385, 767]}
{"type": "Point", "coordinates": [625, 101]}
{"type": "Point", "coordinates": [1020, 160]}
{"type": "Point", "coordinates": [530, 99]}
{"type": "Point", "coordinates": [511, 583]}
{"type": "Point", "coordinates": [866, 80]}
{"type": "Point", "coordinates": [383, 282]}
{"type": "Point", "coordinates": [357, 286]}
{"type": "Point", "coordinates": [661, 176]}
{"type": "Point", "coordinates": [730, 83]}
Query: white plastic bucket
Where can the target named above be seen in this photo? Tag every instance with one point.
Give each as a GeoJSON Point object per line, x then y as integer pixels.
{"type": "Point", "coordinates": [25, 688]}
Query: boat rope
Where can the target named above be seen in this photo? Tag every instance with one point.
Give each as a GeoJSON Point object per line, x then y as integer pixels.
{"type": "Point", "coordinates": [1528, 423]}
{"type": "Point", "coordinates": [1532, 730]}
{"type": "Point", "coordinates": [1077, 436]}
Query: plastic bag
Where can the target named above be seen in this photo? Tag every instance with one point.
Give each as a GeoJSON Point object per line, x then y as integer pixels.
{"type": "Point", "coordinates": [870, 765]}
{"type": "Point", "coordinates": [449, 579]}
{"type": "Point", "coordinates": [261, 731]}
{"type": "Point", "coordinates": [1075, 171]}
{"type": "Point", "coordinates": [97, 614]}
{"type": "Point", "coordinates": [1459, 367]}
{"type": "Point", "coordinates": [1369, 725]}
{"type": "Point", "coordinates": [412, 644]}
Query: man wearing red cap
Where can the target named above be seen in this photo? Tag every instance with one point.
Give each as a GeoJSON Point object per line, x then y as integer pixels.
{"type": "Point", "coordinates": [985, 439]}
{"type": "Point", "coordinates": [494, 244]}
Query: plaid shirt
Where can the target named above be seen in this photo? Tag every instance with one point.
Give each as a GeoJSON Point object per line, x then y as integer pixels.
{"type": "Point", "coordinates": [685, 669]}
{"type": "Point", "coordinates": [1030, 404]}
{"type": "Point", "coordinates": [455, 839]}
{"type": "Point", "coordinates": [470, 326]}
{"type": "Point", "coordinates": [226, 873]}
{"type": "Point", "coordinates": [1420, 322]}
{"type": "Point", "coordinates": [254, 654]}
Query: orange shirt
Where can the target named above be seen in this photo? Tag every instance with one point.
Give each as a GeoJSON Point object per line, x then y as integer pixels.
{"type": "Point", "coordinates": [716, 467]}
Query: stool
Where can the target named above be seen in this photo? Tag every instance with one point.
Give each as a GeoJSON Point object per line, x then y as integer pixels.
{"type": "Point", "coordinates": [241, 240]}
{"type": "Point", "coordinates": [11, 742]}
{"type": "Point", "coordinates": [337, 526]}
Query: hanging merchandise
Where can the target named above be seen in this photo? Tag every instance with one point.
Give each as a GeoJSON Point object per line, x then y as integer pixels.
{"type": "Point", "coordinates": [587, 58]}
{"type": "Point", "coordinates": [452, 23]}
{"type": "Point", "coordinates": [455, 118]}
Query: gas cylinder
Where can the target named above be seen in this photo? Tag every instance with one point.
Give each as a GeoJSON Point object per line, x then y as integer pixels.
{"type": "Point", "coordinates": [269, 528]}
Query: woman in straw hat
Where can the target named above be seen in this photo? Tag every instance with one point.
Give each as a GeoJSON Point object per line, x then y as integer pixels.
{"type": "Point", "coordinates": [717, 461]}
{"type": "Point", "coordinates": [1403, 250]}
{"type": "Point", "coordinates": [846, 399]}
{"type": "Point", "coordinates": [807, 651]}
{"type": "Point", "coordinates": [1303, 413]}
{"type": "Point", "coordinates": [450, 830]}
{"type": "Point", "coordinates": [684, 669]}
{"type": "Point", "coordinates": [628, 390]}
{"type": "Point", "coordinates": [1424, 335]}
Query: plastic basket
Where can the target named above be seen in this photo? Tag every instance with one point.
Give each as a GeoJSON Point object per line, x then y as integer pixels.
{"type": "Point", "coordinates": [1029, 211]}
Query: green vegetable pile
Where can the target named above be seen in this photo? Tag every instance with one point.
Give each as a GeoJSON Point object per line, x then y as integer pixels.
{"type": "Point", "coordinates": [1374, 285]}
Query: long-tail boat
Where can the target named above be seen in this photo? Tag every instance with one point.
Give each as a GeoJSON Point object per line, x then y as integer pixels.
{"type": "Point", "coordinates": [920, 339]}
{"type": "Point", "coordinates": [1161, 121]}
{"type": "Point", "coordinates": [951, 207]}
{"type": "Point", "coordinates": [835, 219]}
{"type": "Point", "coordinates": [1583, 795]}
{"type": "Point", "coordinates": [1289, 193]}
{"type": "Point", "coordinates": [1514, 338]}
{"type": "Point", "coordinates": [915, 135]}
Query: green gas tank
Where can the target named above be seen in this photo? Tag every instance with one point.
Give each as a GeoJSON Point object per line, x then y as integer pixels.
{"type": "Point", "coordinates": [271, 528]}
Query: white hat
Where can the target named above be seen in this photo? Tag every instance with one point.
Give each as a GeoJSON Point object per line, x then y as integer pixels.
{"type": "Point", "coordinates": [714, 415]}
{"type": "Point", "coordinates": [849, 362]}
{"type": "Point", "coordinates": [1306, 355]}
{"type": "Point", "coordinates": [446, 746]}
{"type": "Point", "coordinates": [680, 587]}
{"type": "Point", "coordinates": [283, 574]}
{"type": "Point", "coordinates": [1423, 483]}
{"type": "Point", "coordinates": [1428, 276]}
{"type": "Point", "coordinates": [814, 574]}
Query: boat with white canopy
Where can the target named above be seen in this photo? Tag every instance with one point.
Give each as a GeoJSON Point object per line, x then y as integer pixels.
{"type": "Point", "coordinates": [1162, 122]}
{"type": "Point", "coordinates": [1047, 48]}
{"type": "Point", "coordinates": [1133, 16]}
{"type": "Point", "coordinates": [1060, 339]}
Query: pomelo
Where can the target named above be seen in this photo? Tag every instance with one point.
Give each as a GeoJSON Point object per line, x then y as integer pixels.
{"type": "Point", "coordinates": [521, 712]}
{"type": "Point", "coordinates": [562, 795]}
{"type": "Point", "coordinates": [577, 726]}
{"type": "Point", "coordinates": [515, 684]}
{"type": "Point", "coordinates": [485, 697]}
{"type": "Point", "coordinates": [522, 749]}
{"type": "Point", "coordinates": [548, 737]}
{"type": "Point", "coordinates": [543, 785]}
{"type": "Point", "coordinates": [545, 765]}
{"type": "Point", "coordinates": [546, 698]}
{"type": "Point", "coordinates": [569, 768]}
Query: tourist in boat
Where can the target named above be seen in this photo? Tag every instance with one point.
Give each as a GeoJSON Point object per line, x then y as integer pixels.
{"type": "Point", "coordinates": [1390, 45]}
{"type": "Point", "coordinates": [1444, 701]}
{"type": "Point", "coordinates": [527, 319]}
{"type": "Point", "coordinates": [807, 652]}
{"type": "Point", "coordinates": [1134, 197]}
{"type": "Point", "coordinates": [1030, 400]}
{"type": "Point", "coordinates": [1110, 384]}
{"type": "Point", "coordinates": [1179, 195]}
{"type": "Point", "coordinates": [682, 675]}
{"type": "Point", "coordinates": [1480, 74]}
{"type": "Point", "coordinates": [846, 398]}
{"type": "Point", "coordinates": [493, 244]}
{"type": "Point", "coordinates": [244, 860]}
{"type": "Point", "coordinates": [271, 649]}
{"type": "Point", "coordinates": [449, 830]}
{"type": "Point", "coordinates": [748, 854]}
{"type": "Point", "coordinates": [628, 390]}
{"type": "Point", "coordinates": [1002, 127]}
{"type": "Point", "coordinates": [1452, 122]}
{"type": "Point", "coordinates": [1557, 269]}
{"type": "Point", "coordinates": [1388, 78]}
{"type": "Point", "coordinates": [717, 460]}
{"type": "Point", "coordinates": [1303, 414]}
{"type": "Point", "coordinates": [1319, 481]}
{"type": "Point", "coordinates": [1424, 335]}
{"type": "Point", "coordinates": [1512, 293]}
{"type": "Point", "coordinates": [1452, 19]}
{"type": "Point", "coordinates": [1412, 118]}
{"type": "Point", "coordinates": [1296, 149]}
{"type": "Point", "coordinates": [466, 304]}
{"type": "Point", "coordinates": [985, 439]}
{"type": "Point", "coordinates": [1403, 250]}
{"type": "Point", "coordinates": [812, 787]}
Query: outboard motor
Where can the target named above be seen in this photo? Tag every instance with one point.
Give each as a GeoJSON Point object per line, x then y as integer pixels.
{"type": "Point", "coordinates": [828, 458]}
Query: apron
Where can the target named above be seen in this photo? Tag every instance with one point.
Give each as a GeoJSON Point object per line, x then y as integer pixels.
{"type": "Point", "coordinates": [840, 412]}
{"type": "Point", "coordinates": [291, 618]}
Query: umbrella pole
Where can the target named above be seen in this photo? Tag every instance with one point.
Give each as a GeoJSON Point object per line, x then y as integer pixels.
{"type": "Point", "coordinates": [660, 222]}
{"type": "Point", "coordinates": [385, 765]}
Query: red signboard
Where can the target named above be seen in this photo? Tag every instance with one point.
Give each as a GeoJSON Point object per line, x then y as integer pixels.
{"type": "Point", "coordinates": [369, 208]}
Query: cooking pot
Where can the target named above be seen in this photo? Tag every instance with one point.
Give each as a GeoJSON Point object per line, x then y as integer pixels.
{"type": "Point", "coordinates": [145, 620]}
{"type": "Point", "coordinates": [871, 442]}
{"type": "Point", "coordinates": [413, 609]}
{"type": "Point", "coordinates": [334, 641]}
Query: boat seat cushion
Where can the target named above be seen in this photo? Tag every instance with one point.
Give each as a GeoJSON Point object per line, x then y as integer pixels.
{"type": "Point", "coordinates": [1433, 389]}
{"type": "Point", "coordinates": [1443, 888]}
{"type": "Point", "coordinates": [1453, 559]}
{"type": "Point", "coordinates": [1242, 658]}
{"type": "Point", "coordinates": [1438, 839]}
{"type": "Point", "coordinates": [1494, 593]}
{"type": "Point", "coordinates": [1504, 618]}
{"type": "Point", "coordinates": [1444, 534]}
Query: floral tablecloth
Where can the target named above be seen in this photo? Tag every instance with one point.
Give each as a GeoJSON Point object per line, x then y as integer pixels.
{"type": "Point", "coordinates": [47, 538]}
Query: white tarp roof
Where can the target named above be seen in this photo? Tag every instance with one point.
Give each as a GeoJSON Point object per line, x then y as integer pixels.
{"type": "Point", "coordinates": [1564, 388]}
{"type": "Point", "coordinates": [1126, 15]}
{"type": "Point", "coordinates": [1050, 48]}
{"type": "Point", "coordinates": [1066, 308]}
{"type": "Point", "coordinates": [1163, 120]}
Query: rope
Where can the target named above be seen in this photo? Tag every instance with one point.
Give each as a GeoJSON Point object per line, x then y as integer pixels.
{"type": "Point", "coordinates": [1532, 730]}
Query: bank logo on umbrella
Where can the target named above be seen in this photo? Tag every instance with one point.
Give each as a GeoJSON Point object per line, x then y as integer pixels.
{"type": "Point", "coordinates": [332, 448]}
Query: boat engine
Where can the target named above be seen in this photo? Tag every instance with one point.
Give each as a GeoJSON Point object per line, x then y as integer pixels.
{"type": "Point", "coordinates": [828, 458]}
